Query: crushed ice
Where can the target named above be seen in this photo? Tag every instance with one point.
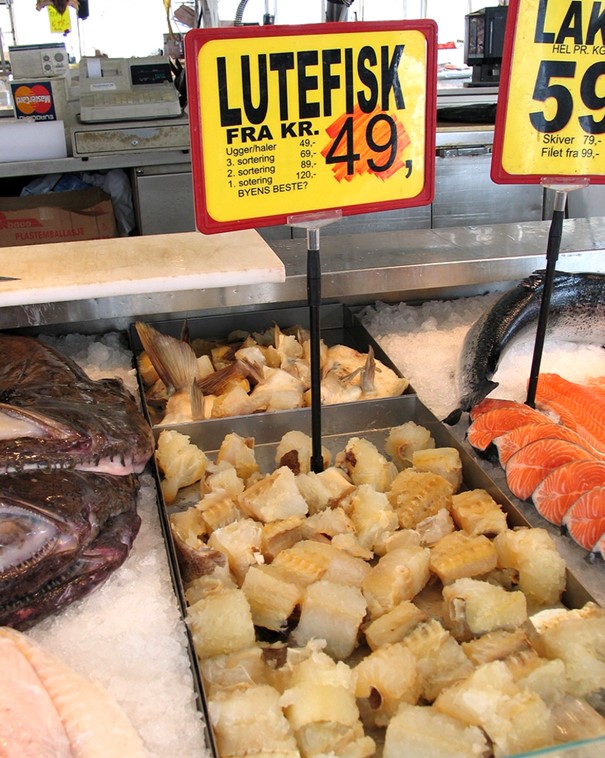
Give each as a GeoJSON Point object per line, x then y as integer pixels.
{"type": "Point", "coordinates": [425, 343]}
{"type": "Point", "coordinates": [128, 634]}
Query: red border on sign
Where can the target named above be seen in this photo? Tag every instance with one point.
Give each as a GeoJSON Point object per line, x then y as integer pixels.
{"type": "Point", "coordinates": [194, 41]}
{"type": "Point", "coordinates": [498, 173]}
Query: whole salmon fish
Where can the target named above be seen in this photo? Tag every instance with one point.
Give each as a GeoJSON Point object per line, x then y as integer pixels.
{"type": "Point", "coordinates": [577, 313]}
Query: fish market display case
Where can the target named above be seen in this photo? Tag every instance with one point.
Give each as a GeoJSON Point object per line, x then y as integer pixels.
{"type": "Point", "coordinates": [356, 270]}
{"type": "Point", "coordinates": [371, 420]}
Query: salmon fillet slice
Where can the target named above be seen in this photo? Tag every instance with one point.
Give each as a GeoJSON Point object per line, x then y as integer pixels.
{"type": "Point", "coordinates": [596, 384]}
{"type": "Point", "coordinates": [508, 444]}
{"type": "Point", "coordinates": [558, 491]}
{"type": "Point", "coordinates": [491, 424]}
{"type": "Point", "coordinates": [530, 465]}
{"type": "Point", "coordinates": [585, 520]}
{"type": "Point", "coordinates": [578, 407]}
{"type": "Point", "coordinates": [490, 404]}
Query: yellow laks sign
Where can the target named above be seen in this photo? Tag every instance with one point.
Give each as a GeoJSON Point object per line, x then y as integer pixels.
{"type": "Point", "coordinates": [551, 111]}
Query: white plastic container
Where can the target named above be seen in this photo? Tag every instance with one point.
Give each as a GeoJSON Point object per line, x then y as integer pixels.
{"type": "Point", "coordinates": [23, 140]}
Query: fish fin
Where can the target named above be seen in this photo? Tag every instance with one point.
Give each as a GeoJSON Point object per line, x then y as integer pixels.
{"type": "Point", "coordinates": [215, 383]}
{"type": "Point", "coordinates": [277, 333]}
{"type": "Point", "coordinates": [347, 378]}
{"type": "Point", "coordinates": [368, 373]}
{"type": "Point", "coordinates": [197, 402]}
{"type": "Point", "coordinates": [173, 359]}
{"type": "Point", "coordinates": [452, 418]}
{"type": "Point", "coordinates": [185, 335]}
{"type": "Point", "coordinates": [252, 369]}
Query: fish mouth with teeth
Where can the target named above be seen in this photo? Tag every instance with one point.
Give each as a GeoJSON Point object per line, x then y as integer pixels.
{"type": "Point", "coordinates": [71, 449]}
{"type": "Point", "coordinates": [61, 534]}
{"type": "Point", "coordinates": [52, 415]}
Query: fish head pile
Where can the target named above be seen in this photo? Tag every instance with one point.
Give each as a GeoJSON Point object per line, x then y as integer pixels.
{"type": "Point", "coordinates": [52, 415]}
{"type": "Point", "coordinates": [70, 452]}
{"type": "Point", "coordinates": [61, 534]}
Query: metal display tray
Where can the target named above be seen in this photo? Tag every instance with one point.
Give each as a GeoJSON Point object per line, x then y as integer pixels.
{"type": "Point", "coordinates": [371, 420]}
{"type": "Point", "coordinates": [339, 325]}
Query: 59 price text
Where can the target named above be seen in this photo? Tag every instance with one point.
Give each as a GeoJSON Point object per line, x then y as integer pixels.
{"type": "Point", "coordinates": [545, 89]}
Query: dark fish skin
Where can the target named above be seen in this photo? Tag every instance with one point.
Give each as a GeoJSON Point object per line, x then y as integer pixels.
{"type": "Point", "coordinates": [62, 533]}
{"type": "Point", "coordinates": [85, 424]}
{"type": "Point", "coordinates": [577, 311]}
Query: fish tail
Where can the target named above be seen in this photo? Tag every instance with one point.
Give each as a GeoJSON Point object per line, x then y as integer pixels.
{"type": "Point", "coordinates": [216, 382]}
{"type": "Point", "coordinates": [173, 359]}
{"type": "Point", "coordinates": [197, 402]}
{"type": "Point", "coordinates": [251, 369]}
{"type": "Point", "coordinates": [453, 418]}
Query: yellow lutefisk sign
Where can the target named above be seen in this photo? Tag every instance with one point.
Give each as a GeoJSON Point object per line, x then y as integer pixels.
{"type": "Point", "coordinates": [303, 122]}
{"type": "Point", "coordinates": [553, 123]}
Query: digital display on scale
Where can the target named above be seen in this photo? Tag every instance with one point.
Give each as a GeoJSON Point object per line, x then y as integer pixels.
{"type": "Point", "coordinates": [150, 73]}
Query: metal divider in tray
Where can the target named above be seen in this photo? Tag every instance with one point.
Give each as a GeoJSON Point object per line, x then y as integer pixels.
{"type": "Point", "coordinates": [338, 326]}
{"type": "Point", "coordinates": [371, 420]}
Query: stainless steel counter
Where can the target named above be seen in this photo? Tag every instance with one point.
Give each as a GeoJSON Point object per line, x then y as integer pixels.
{"type": "Point", "coordinates": [356, 269]}
{"type": "Point", "coordinates": [94, 163]}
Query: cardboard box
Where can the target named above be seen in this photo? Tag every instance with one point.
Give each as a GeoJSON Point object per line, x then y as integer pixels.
{"type": "Point", "coordinates": [56, 217]}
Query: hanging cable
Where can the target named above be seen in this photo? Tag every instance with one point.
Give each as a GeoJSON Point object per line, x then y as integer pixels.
{"type": "Point", "coordinates": [338, 10]}
{"type": "Point", "coordinates": [239, 13]}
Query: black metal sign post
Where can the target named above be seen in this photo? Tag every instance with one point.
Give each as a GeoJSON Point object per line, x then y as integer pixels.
{"type": "Point", "coordinates": [358, 132]}
{"type": "Point", "coordinates": [312, 223]}
{"type": "Point", "coordinates": [552, 254]}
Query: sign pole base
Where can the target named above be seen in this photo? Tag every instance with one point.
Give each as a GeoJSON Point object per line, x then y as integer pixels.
{"type": "Point", "coordinates": [552, 254]}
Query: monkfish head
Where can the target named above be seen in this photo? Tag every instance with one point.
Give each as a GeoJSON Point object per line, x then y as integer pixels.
{"type": "Point", "coordinates": [35, 545]}
{"type": "Point", "coordinates": [52, 415]}
{"type": "Point", "coordinates": [100, 435]}
{"type": "Point", "coordinates": [61, 534]}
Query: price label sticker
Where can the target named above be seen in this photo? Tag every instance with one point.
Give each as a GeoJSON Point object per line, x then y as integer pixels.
{"type": "Point", "coordinates": [550, 119]}
{"type": "Point", "coordinates": [60, 23]}
{"type": "Point", "coordinates": [298, 119]}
